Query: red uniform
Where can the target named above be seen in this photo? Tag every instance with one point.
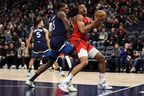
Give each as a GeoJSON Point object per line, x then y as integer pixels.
{"type": "Point", "coordinates": [79, 40]}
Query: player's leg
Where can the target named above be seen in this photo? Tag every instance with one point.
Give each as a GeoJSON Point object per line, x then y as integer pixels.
{"type": "Point", "coordinates": [94, 53]}
{"type": "Point", "coordinates": [60, 62]}
{"type": "Point", "coordinates": [83, 62]}
{"type": "Point", "coordinates": [52, 56]}
{"type": "Point", "coordinates": [30, 66]}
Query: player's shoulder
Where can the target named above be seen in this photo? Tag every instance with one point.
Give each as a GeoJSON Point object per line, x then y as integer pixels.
{"type": "Point", "coordinates": [60, 14]}
{"type": "Point", "coordinates": [79, 16]}
{"type": "Point", "coordinates": [45, 30]}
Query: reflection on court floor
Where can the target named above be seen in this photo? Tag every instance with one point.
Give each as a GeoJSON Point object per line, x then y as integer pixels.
{"type": "Point", "coordinates": [18, 88]}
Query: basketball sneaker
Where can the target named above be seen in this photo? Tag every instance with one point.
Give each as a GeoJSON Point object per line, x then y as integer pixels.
{"type": "Point", "coordinates": [63, 86]}
{"type": "Point", "coordinates": [62, 74]}
{"type": "Point", "coordinates": [29, 73]}
{"type": "Point", "coordinates": [67, 87]}
{"type": "Point", "coordinates": [71, 88]}
{"type": "Point", "coordinates": [103, 85]}
{"type": "Point", "coordinates": [30, 84]}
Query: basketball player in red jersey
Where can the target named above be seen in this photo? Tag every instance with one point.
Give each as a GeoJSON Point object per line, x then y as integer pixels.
{"type": "Point", "coordinates": [79, 39]}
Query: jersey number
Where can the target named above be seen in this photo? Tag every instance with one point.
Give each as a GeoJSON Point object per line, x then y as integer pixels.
{"type": "Point", "coordinates": [52, 26]}
{"type": "Point", "coordinates": [38, 35]}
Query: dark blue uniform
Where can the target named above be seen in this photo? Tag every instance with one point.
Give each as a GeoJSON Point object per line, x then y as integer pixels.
{"type": "Point", "coordinates": [58, 40]}
{"type": "Point", "coordinates": [40, 48]}
{"type": "Point", "coordinates": [58, 33]}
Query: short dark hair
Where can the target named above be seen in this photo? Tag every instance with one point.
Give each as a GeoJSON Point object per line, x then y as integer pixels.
{"type": "Point", "coordinates": [61, 5]}
{"type": "Point", "coordinates": [37, 21]}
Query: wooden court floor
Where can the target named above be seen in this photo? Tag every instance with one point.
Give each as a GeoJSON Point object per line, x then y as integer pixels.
{"type": "Point", "coordinates": [82, 79]}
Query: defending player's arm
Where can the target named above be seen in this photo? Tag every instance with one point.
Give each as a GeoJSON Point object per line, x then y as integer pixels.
{"type": "Point", "coordinates": [63, 17]}
{"type": "Point", "coordinates": [47, 35]}
{"type": "Point", "coordinates": [85, 28]}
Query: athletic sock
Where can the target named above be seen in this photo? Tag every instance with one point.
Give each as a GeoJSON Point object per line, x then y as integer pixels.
{"type": "Point", "coordinates": [101, 77]}
{"type": "Point", "coordinates": [68, 78]}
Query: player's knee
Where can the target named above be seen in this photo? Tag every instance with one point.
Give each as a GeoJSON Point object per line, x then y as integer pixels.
{"type": "Point", "coordinates": [102, 60]}
{"type": "Point", "coordinates": [84, 62]}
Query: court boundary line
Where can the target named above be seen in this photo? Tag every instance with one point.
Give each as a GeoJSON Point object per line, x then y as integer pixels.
{"type": "Point", "coordinates": [120, 90]}
{"type": "Point", "coordinates": [17, 86]}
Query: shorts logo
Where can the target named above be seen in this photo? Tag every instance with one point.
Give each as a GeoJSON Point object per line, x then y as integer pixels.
{"type": "Point", "coordinates": [76, 44]}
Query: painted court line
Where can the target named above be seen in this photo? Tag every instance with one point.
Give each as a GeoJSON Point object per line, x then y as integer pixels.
{"type": "Point", "coordinates": [119, 90]}
{"type": "Point", "coordinates": [142, 92]}
{"type": "Point", "coordinates": [18, 86]}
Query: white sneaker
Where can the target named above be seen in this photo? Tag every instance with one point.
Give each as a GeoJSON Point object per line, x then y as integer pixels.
{"type": "Point", "coordinates": [104, 86]}
{"type": "Point", "coordinates": [20, 66]}
{"type": "Point", "coordinates": [30, 84]}
{"type": "Point", "coordinates": [132, 69]}
{"type": "Point", "coordinates": [62, 73]}
{"type": "Point", "coordinates": [5, 66]}
{"type": "Point", "coordinates": [71, 88]}
{"type": "Point", "coordinates": [29, 74]}
{"type": "Point", "coordinates": [63, 86]}
{"type": "Point", "coordinates": [13, 67]}
{"type": "Point", "coordinates": [72, 94]}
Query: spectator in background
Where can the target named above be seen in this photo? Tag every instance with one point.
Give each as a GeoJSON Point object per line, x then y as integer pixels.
{"type": "Point", "coordinates": [50, 6]}
{"type": "Point", "coordinates": [19, 42]}
{"type": "Point", "coordinates": [115, 58]}
{"type": "Point", "coordinates": [113, 37]}
{"type": "Point", "coordinates": [6, 54]}
{"type": "Point", "coordinates": [8, 37]}
{"type": "Point", "coordinates": [113, 22]}
{"type": "Point", "coordinates": [15, 39]}
{"type": "Point", "coordinates": [124, 58]}
{"type": "Point", "coordinates": [12, 55]}
{"type": "Point", "coordinates": [135, 60]}
{"type": "Point", "coordinates": [137, 45]}
{"type": "Point", "coordinates": [21, 55]}
{"type": "Point", "coordinates": [121, 34]}
{"type": "Point", "coordinates": [2, 37]}
{"type": "Point", "coordinates": [103, 35]}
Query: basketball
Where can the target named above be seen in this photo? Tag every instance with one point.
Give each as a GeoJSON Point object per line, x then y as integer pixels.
{"type": "Point", "coordinates": [99, 14]}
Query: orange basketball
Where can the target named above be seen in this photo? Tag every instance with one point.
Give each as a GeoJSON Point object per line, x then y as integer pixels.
{"type": "Point", "coordinates": [99, 14]}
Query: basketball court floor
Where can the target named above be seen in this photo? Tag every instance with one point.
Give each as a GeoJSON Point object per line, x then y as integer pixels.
{"type": "Point", "coordinates": [12, 83]}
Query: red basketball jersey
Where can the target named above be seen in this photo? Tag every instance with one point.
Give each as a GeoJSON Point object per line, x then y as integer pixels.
{"type": "Point", "coordinates": [77, 33]}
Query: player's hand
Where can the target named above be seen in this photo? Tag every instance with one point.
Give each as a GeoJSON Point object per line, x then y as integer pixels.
{"type": "Point", "coordinates": [100, 20]}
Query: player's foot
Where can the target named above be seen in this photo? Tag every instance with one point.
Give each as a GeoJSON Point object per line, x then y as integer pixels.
{"type": "Point", "coordinates": [104, 86]}
{"type": "Point", "coordinates": [71, 88]}
{"type": "Point", "coordinates": [29, 74]}
{"type": "Point", "coordinates": [30, 84]}
{"type": "Point", "coordinates": [132, 69]}
{"type": "Point", "coordinates": [13, 67]}
{"type": "Point", "coordinates": [63, 86]}
{"type": "Point", "coordinates": [62, 74]}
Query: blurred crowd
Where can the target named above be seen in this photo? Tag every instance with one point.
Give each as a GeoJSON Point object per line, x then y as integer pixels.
{"type": "Point", "coordinates": [120, 39]}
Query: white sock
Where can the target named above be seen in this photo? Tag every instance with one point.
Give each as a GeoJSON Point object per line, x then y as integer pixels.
{"type": "Point", "coordinates": [68, 78]}
{"type": "Point", "coordinates": [101, 77]}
